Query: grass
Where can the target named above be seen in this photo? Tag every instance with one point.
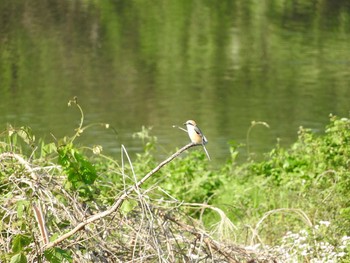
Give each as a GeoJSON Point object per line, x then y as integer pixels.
{"type": "Point", "coordinates": [64, 203]}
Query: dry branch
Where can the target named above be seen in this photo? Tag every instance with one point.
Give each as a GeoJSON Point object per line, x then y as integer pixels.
{"type": "Point", "coordinates": [119, 201]}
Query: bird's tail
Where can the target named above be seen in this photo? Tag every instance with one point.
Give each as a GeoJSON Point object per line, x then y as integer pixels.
{"type": "Point", "coordinates": [206, 152]}
{"type": "Point", "coordinates": [205, 141]}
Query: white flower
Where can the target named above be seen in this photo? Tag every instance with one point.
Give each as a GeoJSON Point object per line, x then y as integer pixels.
{"type": "Point", "coordinates": [303, 232]}
{"type": "Point", "coordinates": [345, 240]}
{"type": "Point", "coordinates": [325, 223]}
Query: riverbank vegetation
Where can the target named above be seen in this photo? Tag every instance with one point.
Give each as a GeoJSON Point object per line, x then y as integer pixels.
{"type": "Point", "coordinates": [58, 202]}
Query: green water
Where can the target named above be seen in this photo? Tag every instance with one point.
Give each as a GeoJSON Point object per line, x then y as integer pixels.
{"type": "Point", "coordinates": [158, 63]}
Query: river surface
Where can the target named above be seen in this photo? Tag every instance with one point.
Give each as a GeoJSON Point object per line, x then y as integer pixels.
{"type": "Point", "coordinates": [159, 63]}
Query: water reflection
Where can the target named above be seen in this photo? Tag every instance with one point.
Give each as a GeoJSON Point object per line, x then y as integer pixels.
{"type": "Point", "coordinates": [223, 63]}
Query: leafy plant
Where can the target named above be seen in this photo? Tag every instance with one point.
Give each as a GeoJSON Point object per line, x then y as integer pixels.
{"type": "Point", "coordinates": [311, 175]}
{"type": "Point", "coordinates": [81, 173]}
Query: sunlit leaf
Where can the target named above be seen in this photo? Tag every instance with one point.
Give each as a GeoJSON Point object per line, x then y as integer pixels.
{"type": "Point", "coordinates": [19, 258]}
{"type": "Point", "coordinates": [127, 206]}
{"type": "Point", "coordinates": [21, 206]}
{"type": "Point", "coordinates": [26, 134]}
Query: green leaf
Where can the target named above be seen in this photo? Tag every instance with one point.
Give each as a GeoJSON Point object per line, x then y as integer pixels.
{"type": "Point", "coordinates": [54, 236]}
{"type": "Point", "coordinates": [22, 205]}
{"type": "Point", "coordinates": [128, 206]}
{"type": "Point", "coordinates": [47, 149]}
{"type": "Point", "coordinates": [19, 258]}
{"type": "Point", "coordinates": [27, 135]}
{"type": "Point", "coordinates": [57, 255]}
{"type": "Point", "coordinates": [19, 242]}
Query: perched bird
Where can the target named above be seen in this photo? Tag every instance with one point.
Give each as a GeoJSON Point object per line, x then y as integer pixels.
{"type": "Point", "coordinates": [196, 135]}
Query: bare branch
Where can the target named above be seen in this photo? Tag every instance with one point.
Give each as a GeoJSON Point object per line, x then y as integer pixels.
{"type": "Point", "coordinates": [119, 201]}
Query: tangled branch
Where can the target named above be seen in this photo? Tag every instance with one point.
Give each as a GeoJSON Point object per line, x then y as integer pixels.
{"type": "Point", "coordinates": [119, 201]}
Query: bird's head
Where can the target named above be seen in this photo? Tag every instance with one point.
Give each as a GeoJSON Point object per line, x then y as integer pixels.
{"type": "Point", "coordinates": [190, 122]}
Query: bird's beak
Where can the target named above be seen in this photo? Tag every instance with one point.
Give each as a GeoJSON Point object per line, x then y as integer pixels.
{"type": "Point", "coordinates": [184, 124]}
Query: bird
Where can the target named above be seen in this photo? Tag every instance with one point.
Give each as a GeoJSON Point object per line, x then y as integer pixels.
{"type": "Point", "coordinates": [196, 135]}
